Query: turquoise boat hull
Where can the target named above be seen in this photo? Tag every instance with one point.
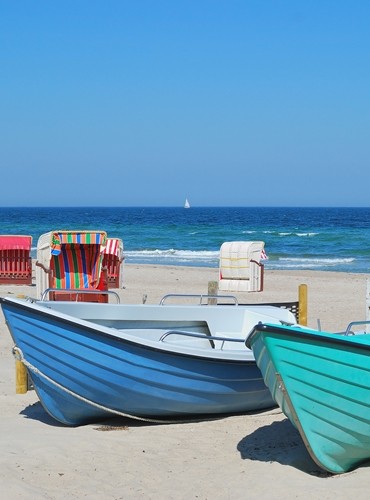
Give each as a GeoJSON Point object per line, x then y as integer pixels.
{"type": "Point", "coordinates": [321, 381]}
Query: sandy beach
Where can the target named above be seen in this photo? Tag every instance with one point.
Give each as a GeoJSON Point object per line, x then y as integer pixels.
{"type": "Point", "coordinates": [258, 455]}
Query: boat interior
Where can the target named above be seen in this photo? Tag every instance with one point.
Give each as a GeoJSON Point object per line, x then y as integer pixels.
{"type": "Point", "coordinates": [218, 326]}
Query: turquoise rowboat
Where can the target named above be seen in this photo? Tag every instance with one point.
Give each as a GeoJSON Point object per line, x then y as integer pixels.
{"type": "Point", "coordinates": [321, 381]}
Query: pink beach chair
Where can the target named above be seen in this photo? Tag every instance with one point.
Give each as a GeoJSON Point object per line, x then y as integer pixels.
{"type": "Point", "coordinates": [15, 260]}
{"type": "Point", "coordinates": [113, 260]}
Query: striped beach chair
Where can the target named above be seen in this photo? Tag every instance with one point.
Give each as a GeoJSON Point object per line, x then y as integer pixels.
{"type": "Point", "coordinates": [15, 260]}
{"type": "Point", "coordinates": [113, 260]}
{"type": "Point", "coordinates": [71, 260]}
{"type": "Point", "coordinates": [241, 269]}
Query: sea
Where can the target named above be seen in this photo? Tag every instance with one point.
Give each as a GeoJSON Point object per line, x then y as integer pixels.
{"type": "Point", "coordinates": [322, 239]}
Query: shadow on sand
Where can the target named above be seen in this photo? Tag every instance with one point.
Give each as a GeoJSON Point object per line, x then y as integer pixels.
{"type": "Point", "coordinates": [279, 442]}
{"type": "Point", "coordinates": [37, 412]}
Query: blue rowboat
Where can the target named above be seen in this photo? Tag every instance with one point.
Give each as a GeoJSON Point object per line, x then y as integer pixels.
{"type": "Point", "coordinates": [321, 381]}
{"type": "Point", "coordinates": [89, 361]}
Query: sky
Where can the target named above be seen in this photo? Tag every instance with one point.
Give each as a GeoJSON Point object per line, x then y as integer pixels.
{"type": "Point", "coordinates": [147, 102]}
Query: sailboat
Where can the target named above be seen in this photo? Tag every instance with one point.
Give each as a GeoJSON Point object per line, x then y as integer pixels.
{"type": "Point", "coordinates": [186, 204]}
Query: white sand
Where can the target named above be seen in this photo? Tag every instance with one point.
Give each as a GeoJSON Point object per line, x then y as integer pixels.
{"type": "Point", "coordinates": [248, 456]}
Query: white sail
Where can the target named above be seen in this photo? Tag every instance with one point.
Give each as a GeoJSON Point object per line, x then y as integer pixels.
{"type": "Point", "coordinates": [186, 204]}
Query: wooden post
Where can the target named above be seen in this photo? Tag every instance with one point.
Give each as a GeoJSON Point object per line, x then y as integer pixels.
{"type": "Point", "coordinates": [21, 378]}
{"type": "Point", "coordinates": [212, 290]}
{"type": "Point", "coordinates": [302, 299]}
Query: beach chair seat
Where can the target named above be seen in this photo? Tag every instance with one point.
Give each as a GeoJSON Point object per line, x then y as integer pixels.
{"type": "Point", "coordinates": [71, 260]}
{"type": "Point", "coordinates": [240, 268]}
{"type": "Point", "coordinates": [15, 260]}
{"type": "Point", "coordinates": [113, 260]}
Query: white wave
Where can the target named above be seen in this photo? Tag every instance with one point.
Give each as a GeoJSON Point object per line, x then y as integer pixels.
{"type": "Point", "coordinates": [306, 234]}
{"type": "Point", "coordinates": [283, 233]}
{"type": "Point", "coordinates": [172, 251]}
{"type": "Point", "coordinates": [298, 234]}
{"type": "Point", "coordinates": [174, 256]}
{"type": "Point", "coordinates": [318, 260]}
{"type": "Point", "coordinates": [319, 263]}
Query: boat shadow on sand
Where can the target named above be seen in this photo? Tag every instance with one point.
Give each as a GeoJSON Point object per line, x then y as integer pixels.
{"type": "Point", "coordinates": [279, 442]}
{"type": "Point", "coordinates": [36, 411]}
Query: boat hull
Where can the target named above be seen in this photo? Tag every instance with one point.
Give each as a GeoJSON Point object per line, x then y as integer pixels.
{"type": "Point", "coordinates": [322, 384]}
{"type": "Point", "coordinates": [83, 374]}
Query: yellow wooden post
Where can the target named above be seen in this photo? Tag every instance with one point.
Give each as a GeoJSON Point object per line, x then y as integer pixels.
{"type": "Point", "coordinates": [21, 378]}
{"type": "Point", "coordinates": [302, 298]}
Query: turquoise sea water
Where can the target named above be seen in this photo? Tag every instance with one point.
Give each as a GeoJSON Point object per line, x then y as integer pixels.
{"type": "Point", "coordinates": [329, 239]}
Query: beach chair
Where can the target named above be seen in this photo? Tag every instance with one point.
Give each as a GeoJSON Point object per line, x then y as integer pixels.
{"type": "Point", "coordinates": [113, 262]}
{"type": "Point", "coordinates": [15, 260]}
{"type": "Point", "coordinates": [240, 267]}
{"type": "Point", "coordinates": [71, 260]}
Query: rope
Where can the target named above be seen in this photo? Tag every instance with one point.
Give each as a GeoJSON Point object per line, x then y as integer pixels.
{"type": "Point", "coordinates": [18, 354]}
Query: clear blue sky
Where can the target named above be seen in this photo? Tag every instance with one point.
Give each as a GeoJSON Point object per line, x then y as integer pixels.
{"type": "Point", "coordinates": [144, 103]}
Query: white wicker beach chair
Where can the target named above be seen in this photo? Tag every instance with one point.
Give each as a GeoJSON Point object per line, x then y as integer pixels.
{"type": "Point", "coordinates": [240, 266]}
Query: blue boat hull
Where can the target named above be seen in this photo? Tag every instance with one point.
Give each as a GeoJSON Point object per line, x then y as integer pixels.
{"type": "Point", "coordinates": [82, 374]}
{"type": "Point", "coordinates": [321, 382]}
